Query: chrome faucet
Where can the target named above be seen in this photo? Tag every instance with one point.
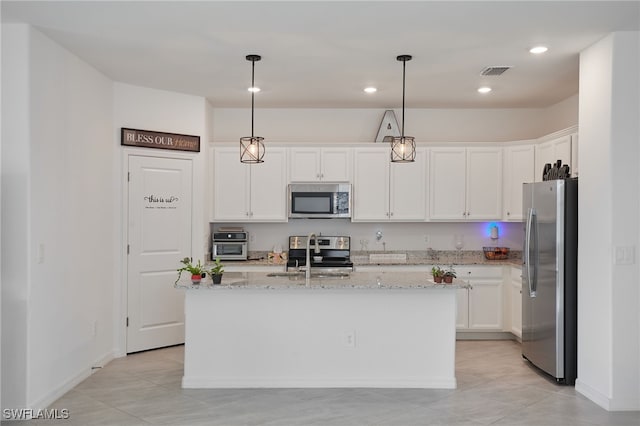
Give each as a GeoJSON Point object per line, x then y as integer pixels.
{"type": "Point", "coordinates": [316, 250]}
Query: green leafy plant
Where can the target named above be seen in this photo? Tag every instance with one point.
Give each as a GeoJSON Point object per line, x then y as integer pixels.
{"type": "Point", "coordinates": [218, 267]}
{"type": "Point", "coordinates": [436, 271]}
{"type": "Point", "coordinates": [449, 275]}
{"type": "Point", "coordinates": [193, 269]}
{"type": "Point", "coordinates": [450, 272]}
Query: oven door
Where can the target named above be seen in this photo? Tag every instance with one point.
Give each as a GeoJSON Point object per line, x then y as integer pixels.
{"type": "Point", "coordinates": [236, 250]}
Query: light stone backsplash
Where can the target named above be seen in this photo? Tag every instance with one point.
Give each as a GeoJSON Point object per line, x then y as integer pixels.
{"type": "Point", "coordinates": [396, 236]}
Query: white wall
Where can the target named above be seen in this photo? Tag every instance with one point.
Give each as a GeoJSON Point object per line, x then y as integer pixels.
{"type": "Point", "coordinates": [63, 273]}
{"type": "Point", "coordinates": [560, 116]}
{"type": "Point", "coordinates": [15, 223]}
{"type": "Point", "coordinates": [608, 295]}
{"type": "Point", "coordinates": [158, 110]}
{"type": "Point", "coordinates": [361, 125]}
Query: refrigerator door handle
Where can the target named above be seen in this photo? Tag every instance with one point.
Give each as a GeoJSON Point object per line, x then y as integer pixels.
{"type": "Point", "coordinates": [527, 250]}
{"type": "Point", "coordinates": [536, 253]}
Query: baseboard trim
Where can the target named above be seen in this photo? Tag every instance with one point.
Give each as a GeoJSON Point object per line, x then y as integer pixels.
{"type": "Point", "coordinates": [485, 335]}
{"type": "Point", "coordinates": [265, 382]}
{"type": "Point", "coordinates": [609, 404]}
{"type": "Point", "coordinates": [593, 394]}
{"type": "Point", "coordinates": [72, 382]}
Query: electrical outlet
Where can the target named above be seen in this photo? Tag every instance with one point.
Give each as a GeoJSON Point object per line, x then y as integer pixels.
{"type": "Point", "coordinates": [624, 255]}
{"type": "Point", "coordinates": [94, 329]}
{"type": "Point", "coordinates": [427, 239]}
{"type": "Point", "coordinates": [349, 339]}
{"type": "Point", "coordinates": [252, 238]}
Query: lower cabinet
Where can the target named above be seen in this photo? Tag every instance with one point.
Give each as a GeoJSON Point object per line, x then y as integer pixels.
{"type": "Point", "coordinates": [491, 303]}
{"type": "Point", "coordinates": [480, 305]}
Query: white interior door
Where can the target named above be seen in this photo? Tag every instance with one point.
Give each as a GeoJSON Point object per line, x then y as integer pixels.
{"type": "Point", "coordinates": [159, 233]}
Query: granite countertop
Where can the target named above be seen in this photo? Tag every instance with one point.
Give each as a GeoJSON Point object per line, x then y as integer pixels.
{"type": "Point", "coordinates": [355, 280]}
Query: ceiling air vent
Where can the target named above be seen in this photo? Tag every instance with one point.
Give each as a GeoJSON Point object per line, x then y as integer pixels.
{"type": "Point", "coordinates": [494, 70]}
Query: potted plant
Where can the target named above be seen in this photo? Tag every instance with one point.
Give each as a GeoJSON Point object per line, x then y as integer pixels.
{"type": "Point", "coordinates": [216, 271]}
{"type": "Point", "coordinates": [197, 270]}
{"type": "Point", "coordinates": [449, 275]}
{"type": "Point", "coordinates": [437, 273]}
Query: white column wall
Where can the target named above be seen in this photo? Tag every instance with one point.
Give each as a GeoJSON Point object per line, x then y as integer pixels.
{"type": "Point", "coordinates": [61, 211]}
{"type": "Point", "coordinates": [15, 213]}
{"type": "Point", "coordinates": [158, 110]}
{"type": "Point", "coordinates": [608, 299]}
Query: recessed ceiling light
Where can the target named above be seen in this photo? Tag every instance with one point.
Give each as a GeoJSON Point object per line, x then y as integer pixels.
{"type": "Point", "coordinates": [254, 89]}
{"type": "Point", "coordinates": [370, 89]}
{"type": "Point", "coordinates": [484, 89]}
{"type": "Point", "coordinates": [538, 50]}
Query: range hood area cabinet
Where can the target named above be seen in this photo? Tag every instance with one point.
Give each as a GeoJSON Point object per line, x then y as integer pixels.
{"type": "Point", "coordinates": [320, 164]}
{"type": "Point", "coordinates": [249, 192]}
{"type": "Point", "coordinates": [465, 183]}
{"type": "Point", "coordinates": [385, 191]}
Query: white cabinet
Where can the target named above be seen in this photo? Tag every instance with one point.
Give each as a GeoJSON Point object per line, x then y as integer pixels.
{"type": "Point", "coordinates": [480, 306]}
{"type": "Point", "coordinates": [516, 301]}
{"type": "Point", "coordinates": [518, 169]}
{"type": "Point", "coordinates": [328, 164]}
{"type": "Point", "coordinates": [550, 152]}
{"type": "Point", "coordinates": [244, 192]}
{"type": "Point", "coordinates": [465, 183]}
{"type": "Point", "coordinates": [388, 191]}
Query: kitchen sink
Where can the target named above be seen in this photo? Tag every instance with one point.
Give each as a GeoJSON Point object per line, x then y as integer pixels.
{"type": "Point", "coordinates": [314, 274]}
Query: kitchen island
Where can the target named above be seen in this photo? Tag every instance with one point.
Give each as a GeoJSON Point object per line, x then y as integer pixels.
{"type": "Point", "coordinates": [366, 329]}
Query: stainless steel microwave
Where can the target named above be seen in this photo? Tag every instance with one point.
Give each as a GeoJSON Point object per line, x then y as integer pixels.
{"type": "Point", "coordinates": [320, 200]}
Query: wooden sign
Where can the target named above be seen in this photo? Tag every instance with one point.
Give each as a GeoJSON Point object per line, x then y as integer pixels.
{"type": "Point", "coordinates": [158, 140]}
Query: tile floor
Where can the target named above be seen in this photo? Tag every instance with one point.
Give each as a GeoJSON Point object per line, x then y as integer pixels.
{"type": "Point", "coordinates": [495, 386]}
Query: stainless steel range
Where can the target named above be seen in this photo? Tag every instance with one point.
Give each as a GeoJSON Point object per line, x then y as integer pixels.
{"type": "Point", "coordinates": [333, 254]}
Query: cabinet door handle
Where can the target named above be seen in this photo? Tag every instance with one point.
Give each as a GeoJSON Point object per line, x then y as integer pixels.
{"type": "Point", "coordinates": [508, 213]}
{"type": "Point", "coordinates": [391, 213]}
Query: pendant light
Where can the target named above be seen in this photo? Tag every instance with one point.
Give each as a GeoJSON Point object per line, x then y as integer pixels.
{"type": "Point", "coordinates": [251, 147]}
{"type": "Point", "coordinates": [403, 148]}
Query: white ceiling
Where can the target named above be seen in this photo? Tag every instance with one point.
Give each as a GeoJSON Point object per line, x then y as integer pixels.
{"type": "Point", "coordinates": [323, 53]}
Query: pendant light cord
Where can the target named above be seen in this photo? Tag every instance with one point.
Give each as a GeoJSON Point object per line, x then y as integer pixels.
{"type": "Point", "coordinates": [253, 92]}
{"type": "Point", "coordinates": [404, 67]}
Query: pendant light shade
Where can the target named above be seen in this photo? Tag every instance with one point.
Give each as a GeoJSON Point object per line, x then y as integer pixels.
{"type": "Point", "coordinates": [251, 147]}
{"type": "Point", "coordinates": [403, 148]}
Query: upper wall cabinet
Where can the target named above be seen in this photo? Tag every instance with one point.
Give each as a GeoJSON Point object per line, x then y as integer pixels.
{"type": "Point", "coordinates": [326, 164]}
{"type": "Point", "coordinates": [550, 152]}
{"type": "Point", "coordinates": [388, 191]}
{"type": "Point", "coordinates": [518, 169]}
{"type": "Point", "coordinates": [244, 192]}
{"type": "Point", "coordinates": [465, 183]}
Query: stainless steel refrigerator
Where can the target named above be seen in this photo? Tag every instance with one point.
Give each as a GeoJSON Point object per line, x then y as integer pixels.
{"type": "Point", "coordinates": [549, 277]}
